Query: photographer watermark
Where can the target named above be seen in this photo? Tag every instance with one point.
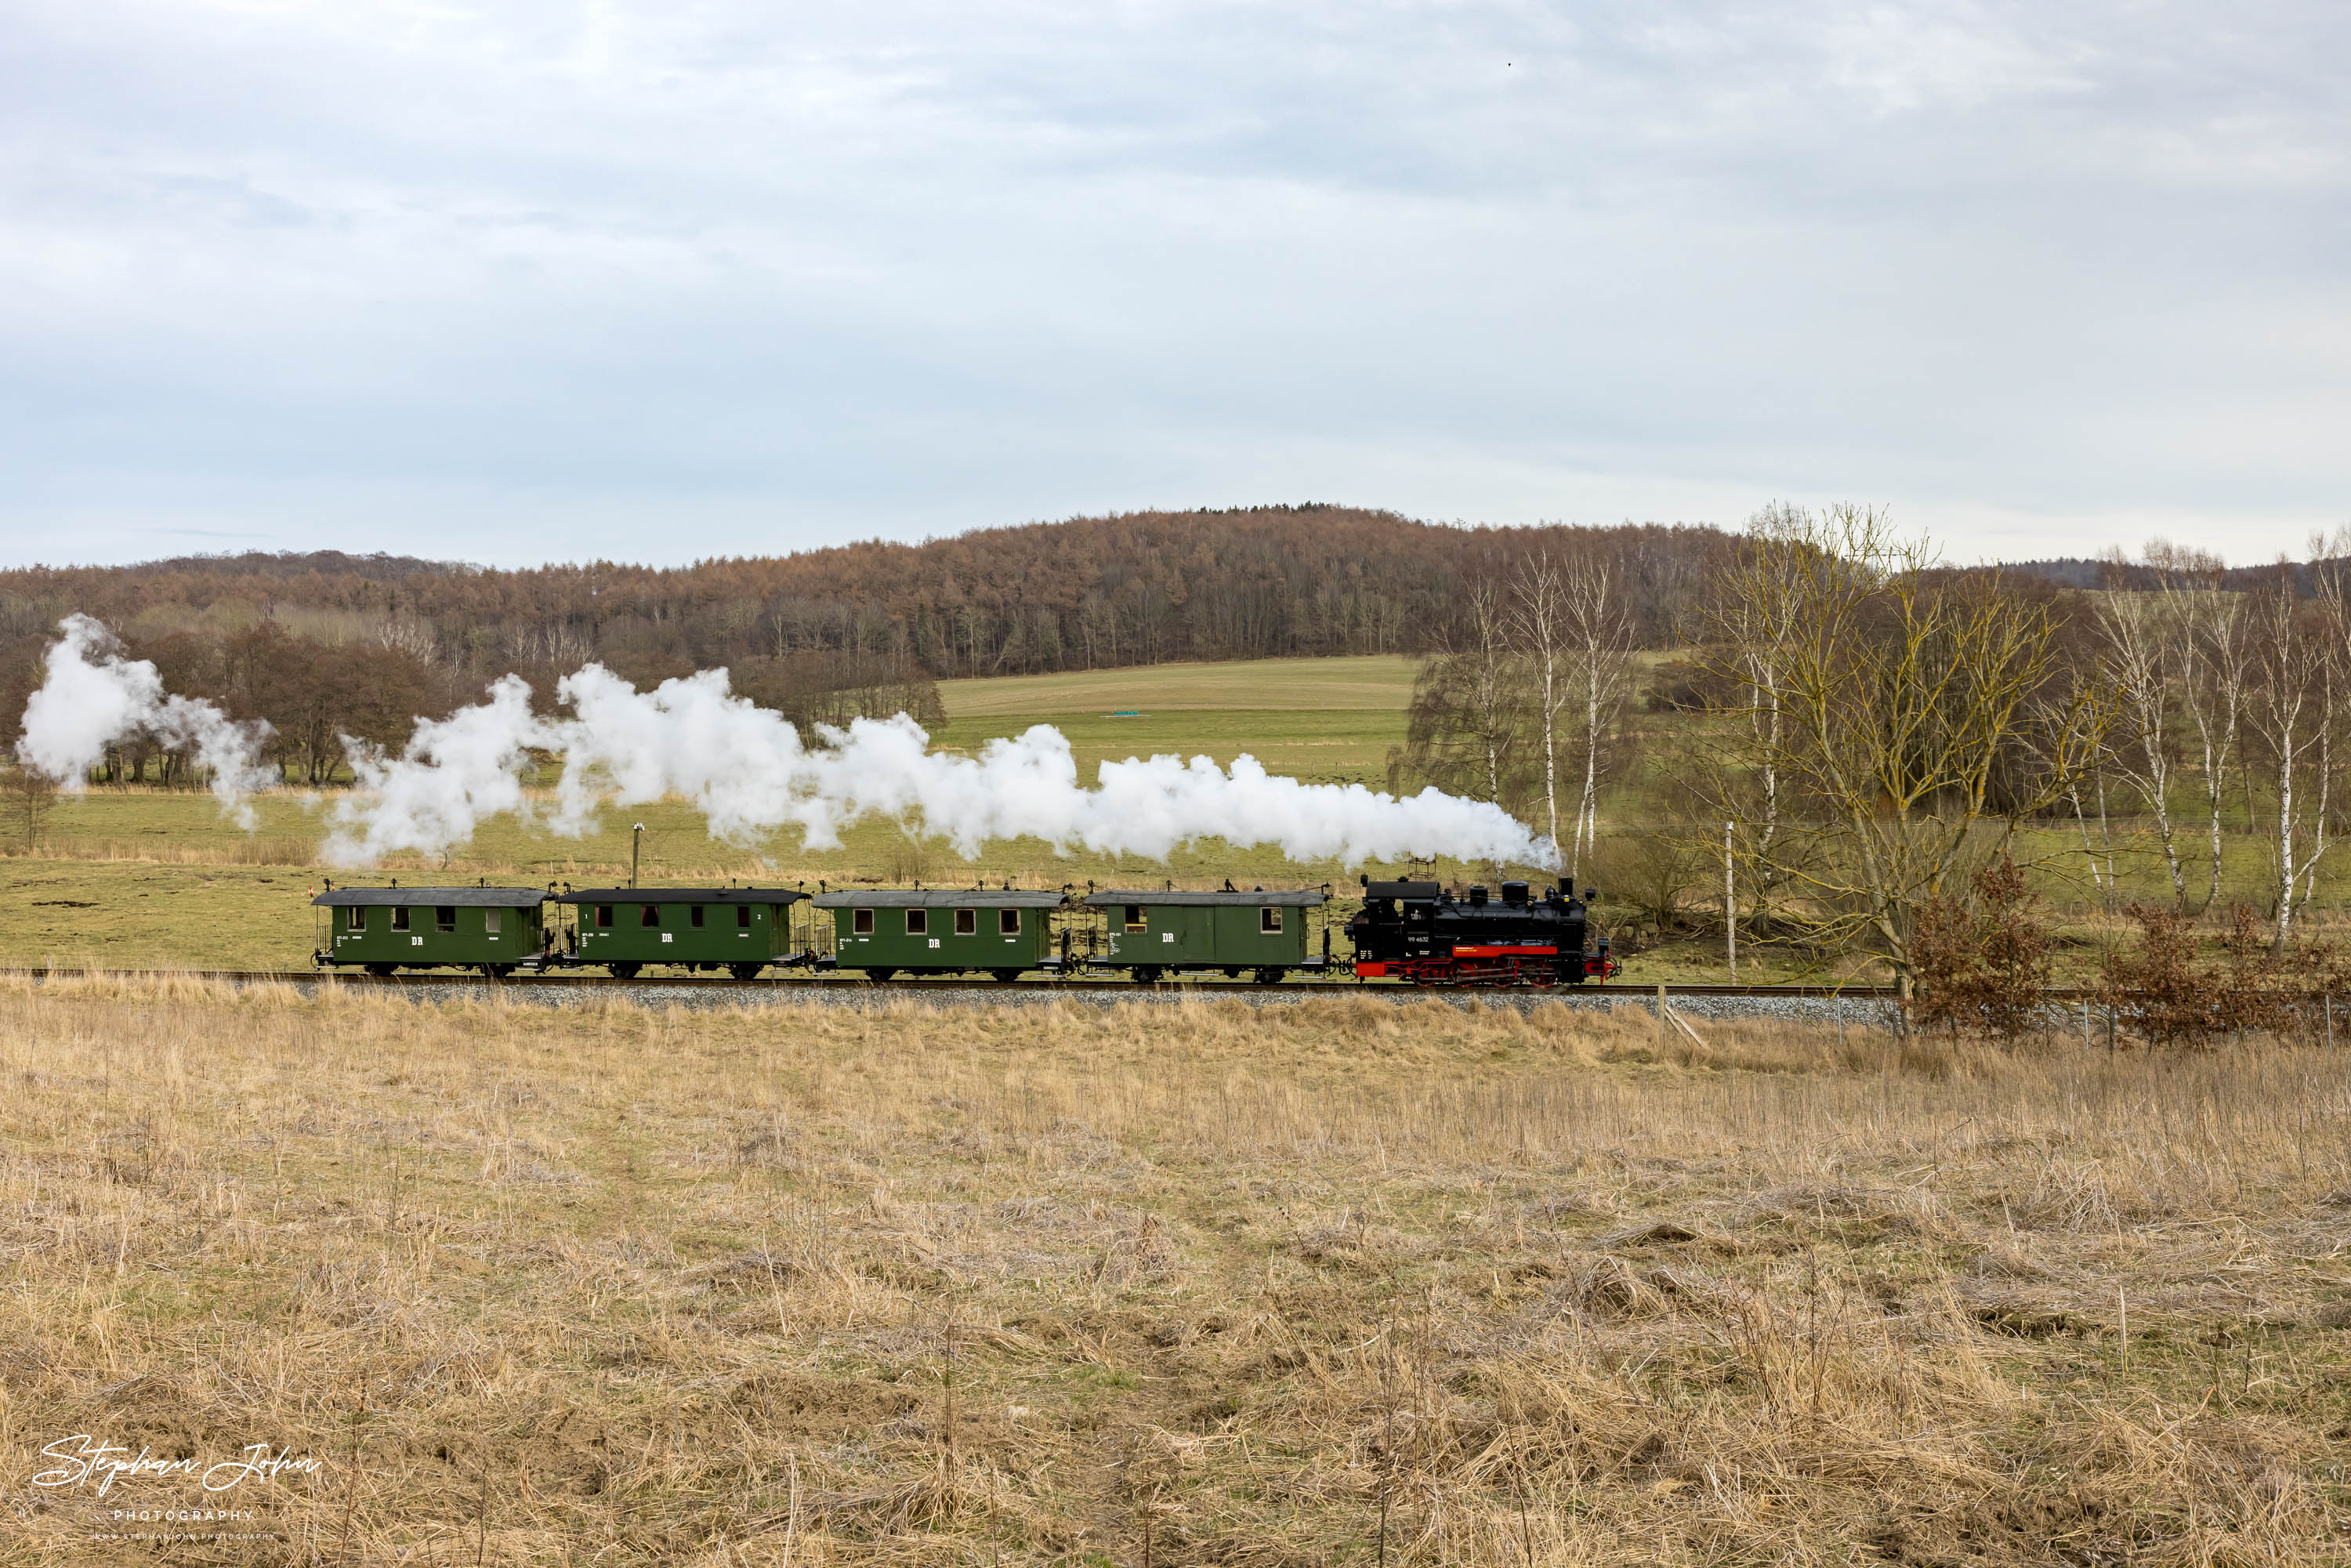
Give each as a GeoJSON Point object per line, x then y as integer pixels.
{"type": "Point", "coordinates": [86, 1463]}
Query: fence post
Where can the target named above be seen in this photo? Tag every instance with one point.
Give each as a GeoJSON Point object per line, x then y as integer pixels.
{"type": "Point", "coordinates": [1661, 1018]}
{"type": "Point", "coordinates": [2086, 1023]}
{"type": "Point", "coordinates": [2330, 1020]}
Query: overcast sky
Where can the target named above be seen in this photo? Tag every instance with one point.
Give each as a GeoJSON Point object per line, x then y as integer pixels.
{"type": "Point", "coordinates": [521, 282]}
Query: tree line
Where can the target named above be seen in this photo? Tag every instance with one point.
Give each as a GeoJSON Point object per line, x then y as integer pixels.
{"type": "Point", "coordinates": [1874, 729]}
{"type": "Point", "coordinates": [325, 644]}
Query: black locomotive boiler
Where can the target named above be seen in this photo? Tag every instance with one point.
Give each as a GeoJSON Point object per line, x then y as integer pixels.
{"type": "Point", "coordinates": [1416, 931]}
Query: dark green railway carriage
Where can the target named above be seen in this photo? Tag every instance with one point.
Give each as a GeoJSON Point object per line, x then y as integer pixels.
{"type": "Point", "coordinates": [1156, 934]}
{"type": "Point", "coordinates": [738, 929]}
{"type": "Point", "coordinates": [888, 931]}
{"type": "Point", "coordinates": [381, 929]}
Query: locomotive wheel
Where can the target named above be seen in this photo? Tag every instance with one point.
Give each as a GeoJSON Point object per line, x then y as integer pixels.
{"type": "Point", "coordinates": [625, 971]}
{"type": "Point", "coordinates": [744, 971]}
{"type": "Point", "coordinates": [1005, 975]}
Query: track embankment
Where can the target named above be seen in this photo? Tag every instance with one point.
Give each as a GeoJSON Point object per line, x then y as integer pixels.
{"type": "Point", "coordinates": [1827, 1004]}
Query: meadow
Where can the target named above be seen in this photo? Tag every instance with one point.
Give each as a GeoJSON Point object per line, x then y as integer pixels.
{"type": "Point", "coordinates": [143, 876]}
{"type": "Point", "coordinates": [1333, 1283]}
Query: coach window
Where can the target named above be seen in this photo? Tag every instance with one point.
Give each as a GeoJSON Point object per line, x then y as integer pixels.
{"type": "Point", "coordinates": [1269, 921]}
{"type": "Point", "coordinates": [693, 918]}
{"type": "Point", "coordinates": [918, 923]}
{"type": "Point", "coordinates": [444, 917]}
{"type": "Point", "coordinates": [494, 922]}
{"type": "Point", "coordinates": [652, 915]}
{"type": "Point", "coordinates": [1007, 922]}
{"type": "Point", "coordinates": [1135, 917]}
{"type": "Point", "coordinates": [400, 917]}
{"type": "Point", "coordinates": [742, 917]}
{"type": "Point", "coordinates": [967, 922]}
{"type": "Point", "coordinates": [357, 920]}
{"type": "Point", "coordinates": [861, 923]}
{"type": "Point", "coordinates": [604, 918]}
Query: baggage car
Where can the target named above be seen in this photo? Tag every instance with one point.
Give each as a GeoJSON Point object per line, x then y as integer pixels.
{"type": "Point", "coordinates": [1153, 935]}
{"type": "Point", "coordinates": [892, 931]}
{"type": "Point", "coordinates": [381, 929]}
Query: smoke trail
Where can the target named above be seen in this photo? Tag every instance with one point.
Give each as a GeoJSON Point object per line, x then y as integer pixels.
{"type": "Point", "coordinates": [454, 774]}
{"type": "Point", "coordinates": [746, 769]}
{"type": "Point", "coordinates": [91, 696]}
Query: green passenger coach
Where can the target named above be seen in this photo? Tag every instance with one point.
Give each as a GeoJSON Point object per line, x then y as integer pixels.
{"type": "Point", "coordinates": [738, 929]}
{"type": "Point", "coordinates": [380, 929]}
{"type": "Point", "coordinates": [1156, 934]}
{"type": "Point", "coordinates": [886, 932]}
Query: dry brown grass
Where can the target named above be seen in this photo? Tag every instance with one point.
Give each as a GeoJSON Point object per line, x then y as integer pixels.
{"type": "Point", "coordinates": [1189, 1284]}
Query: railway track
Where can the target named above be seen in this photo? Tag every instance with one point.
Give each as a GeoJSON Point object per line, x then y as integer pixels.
{"type": "Point", "coordinates": [814, 986]}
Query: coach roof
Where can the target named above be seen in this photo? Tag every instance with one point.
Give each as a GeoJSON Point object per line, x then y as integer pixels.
{"type": "Point", "coordinates": [965, 898]}
{"type": "Point", "coordinates": [1290, 898]}
{"type": "Point", "coordinates": [466, 897]}
{"type": "Point", "coordinates": [679, 895]}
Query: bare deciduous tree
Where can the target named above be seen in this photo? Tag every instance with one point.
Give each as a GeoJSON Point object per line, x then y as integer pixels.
{"type": "Point", "coordinates": [1470, 730]}
{"type": "Point", "coordinates": [1902, 697]}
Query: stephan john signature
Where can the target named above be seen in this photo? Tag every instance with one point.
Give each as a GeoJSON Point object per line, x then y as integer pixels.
{"type": "Point", "coordinates": [86, 1458]}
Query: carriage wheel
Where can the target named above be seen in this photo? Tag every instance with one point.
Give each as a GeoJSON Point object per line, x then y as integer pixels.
{"type": "Point", "coordinates": [625, 971]}
{"type": "Point", "coordinates": [744, 971]}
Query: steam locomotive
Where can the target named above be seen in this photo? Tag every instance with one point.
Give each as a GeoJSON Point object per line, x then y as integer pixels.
{"type": "Point", "coordinates": [1416, 931]}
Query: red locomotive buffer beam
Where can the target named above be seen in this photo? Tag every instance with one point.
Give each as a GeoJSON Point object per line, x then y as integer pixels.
{"type": "Point", "coordinates": [1487, 965]}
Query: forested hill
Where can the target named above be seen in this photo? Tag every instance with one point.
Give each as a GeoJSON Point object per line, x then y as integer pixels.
{"type": "Point", "coordinates": [1138, 588]}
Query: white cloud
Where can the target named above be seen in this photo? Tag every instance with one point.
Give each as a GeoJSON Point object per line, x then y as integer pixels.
{"type": "Point", "coordinates": [672, 279]}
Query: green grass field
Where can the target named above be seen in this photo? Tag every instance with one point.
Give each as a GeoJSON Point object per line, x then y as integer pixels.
{"type": "Point", "coordinates": [148, 877]}
{"type": "Point", "coordinates": [1322, 720]}
{"type": "Point", "coordinates": [152, 877]}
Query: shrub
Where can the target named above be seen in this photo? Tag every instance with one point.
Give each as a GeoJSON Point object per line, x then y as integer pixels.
{"type": "Point", "coordinates": [2164, 995]}
{"type": "Point", "coordinates": [1981, 967]}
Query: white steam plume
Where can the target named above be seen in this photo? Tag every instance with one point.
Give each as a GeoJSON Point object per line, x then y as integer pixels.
{"type": "Point", "coordinates": [92, 696]}
{"type": "Point", "coordinates": [745, 768]}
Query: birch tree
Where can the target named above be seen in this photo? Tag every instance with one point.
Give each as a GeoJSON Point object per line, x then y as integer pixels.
{"type": "Point", "coordinates": [1539, 623]}
{"type": "Point", "coordinates": [2215, 667]}
{"type": "Point", "coordinates": [1601, 633]}
{"type": "Point", "coordinates": [2293, 712]}
{"type": "Point", "coordinates": [2141, 635]}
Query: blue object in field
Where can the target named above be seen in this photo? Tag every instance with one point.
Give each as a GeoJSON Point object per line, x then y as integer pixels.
{"type": "Point", "coordinates": [1123, 713]}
